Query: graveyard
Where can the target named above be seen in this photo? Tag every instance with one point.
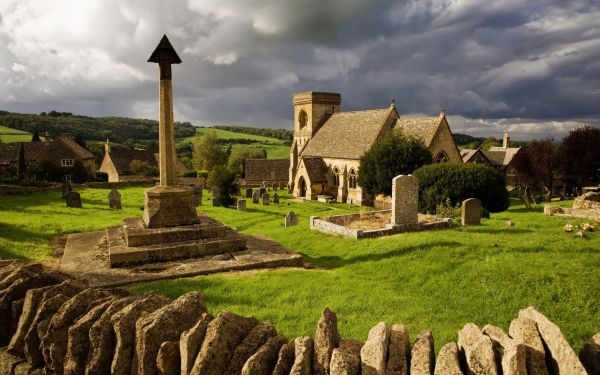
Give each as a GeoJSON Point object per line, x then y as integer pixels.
{"type": "Point", "coordinates": [480, 273]}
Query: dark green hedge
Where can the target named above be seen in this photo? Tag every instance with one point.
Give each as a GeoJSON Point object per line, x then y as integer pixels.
{"type": "Point", "coordinates": [457, 182]}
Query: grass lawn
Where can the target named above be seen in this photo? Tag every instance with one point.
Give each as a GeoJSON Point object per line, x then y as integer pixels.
{"type": "Point", "coordinates": [9, 135]}
{"type": "Point", "coordinates": [438, 280]}
{"type": "Point", "coordinates": [276, 148]}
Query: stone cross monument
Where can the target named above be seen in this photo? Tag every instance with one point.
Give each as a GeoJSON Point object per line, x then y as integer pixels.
{"type": "Point", "coordinates": [167, 205]}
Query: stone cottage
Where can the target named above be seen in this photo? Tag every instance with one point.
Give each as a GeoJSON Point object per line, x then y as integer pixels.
{"type": "Point", "coordinates": [62, 151]}
{"type": "Point", "coordinates": [327, 146]}
{"type": "Point", "coordinates": [270, 171]}
{"type": "Point", "coordinates": [117, 162]}
{"type": "Point", "coordinates": [499, 157]}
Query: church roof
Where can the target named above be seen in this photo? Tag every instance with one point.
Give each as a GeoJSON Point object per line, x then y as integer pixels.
{"type": "Point", "coordinates": [267, 169]}
{"type": "Point", "coordinates": [347, 135]}
{"type": "Point", "coordinates": [315, 168]}
{"type": "Point", "coordinates": [420, 127]}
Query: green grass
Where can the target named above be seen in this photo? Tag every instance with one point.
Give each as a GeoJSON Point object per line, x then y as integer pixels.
{"type": "Point", "coordinates": [438, 280]}
{"type": "Point", "coordinates": [9, 135]}
{"type": "Point", "coordinates": [276, 148]}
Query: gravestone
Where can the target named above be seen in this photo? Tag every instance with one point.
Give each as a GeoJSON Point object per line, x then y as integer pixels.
{"type": "Point", "coordinates": [255, 197]}
{"type": "Point", "coordinates": [265, 199]}
{"type": "Point", "coordinates": [405, 200]}
{"type": "Point", "coordinates": [291, 219]}
{"type": "Point", "coordinates": [275, 186]}
{"type": "Point", "coordinates": [248, 193]}
{"type": "Point", "coordinates": [276, 198]}
{"type": "Point", "coordinates": [73, 199]}
{"type": "Point", "coordinates": [241, 205]}
{"type": "Point", "coordinates": [216, 196]}
{"type": "Point", "coordinates": [197, 197]}
{"type": "Point", "coordinates": [471, 212]}
{"type": "Point", "coordinates": [114, 199]}
{"type": "Point", "coordinates": [262, 191]}
{"type": "Point", "coordinates": [66, 188]}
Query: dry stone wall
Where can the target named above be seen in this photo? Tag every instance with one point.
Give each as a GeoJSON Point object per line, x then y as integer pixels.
{"type": "Point", "coordinates": [52, 324]}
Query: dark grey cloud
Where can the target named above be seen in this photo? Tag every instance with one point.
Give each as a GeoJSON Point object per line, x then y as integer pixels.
{"type": "Point", "coordinates": [530, 65]}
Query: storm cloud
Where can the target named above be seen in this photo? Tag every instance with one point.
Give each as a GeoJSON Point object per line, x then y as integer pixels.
{"type": "Point", "coordinates": [530, 67]}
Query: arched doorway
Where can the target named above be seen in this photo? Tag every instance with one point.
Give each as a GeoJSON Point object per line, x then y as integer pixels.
{"type": "Point", "coordinates": [302, 187]}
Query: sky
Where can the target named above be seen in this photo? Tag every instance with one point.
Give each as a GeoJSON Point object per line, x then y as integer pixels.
{"type": "Point", "coordinates": [528, 67]}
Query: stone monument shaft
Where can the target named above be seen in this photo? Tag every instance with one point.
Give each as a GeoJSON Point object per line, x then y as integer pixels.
{"type": "Point", "coordinates": [165, 55]}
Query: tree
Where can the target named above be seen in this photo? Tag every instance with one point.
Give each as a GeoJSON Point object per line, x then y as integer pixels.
{"type": "Point", "coordinates": [80, 140]}
{"type": "Point", "coordinates": [538, 164]}
{"type": "Point", "coordinates": [237, 159]}
{"type": "Point", "coordinates": [208, 153]}
{"type": "Point", "coordinates": [21, 162]}
{"type": "Point", "coordinates": [142, 168]}
{"type": "Point", "coordinates": [488, 143]}
{"type": "Point", "coordinates": [224, 181]}
{"type": "Point", "coordinates": [35, 137]}
{"type": "Point", "coordinates": [395, 154]}
{"type": "Point", "coordinates": [579, 161]}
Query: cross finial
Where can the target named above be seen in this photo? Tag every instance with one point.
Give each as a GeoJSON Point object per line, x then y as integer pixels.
{"type": "Point", "coordinates": [392, 102]}
{"type": "Point", "coordinates": [442, 111]}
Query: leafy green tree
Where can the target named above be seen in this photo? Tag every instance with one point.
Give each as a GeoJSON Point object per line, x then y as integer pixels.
{"type": "Point", "coordinates": [579, 161]}
{"type": "Point", "coordinates": [35, 137]}
{"type": "Point", "coordinates": [488, 143]}
{"type": "Point", "coordinates": [143, 168]}
{"type": "Point", "coordinates": [224, 181]}
{"type": "Point", "coordinates": [394, 155]}
{"type": "Point", "coordinates": [237, 159]}
{"type": "Point", "coordinates": [538, 164]}
{"type": "Point", "coordinates": [208, 153]}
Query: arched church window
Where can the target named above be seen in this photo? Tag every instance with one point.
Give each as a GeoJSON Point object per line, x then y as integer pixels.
{"type": "Point", "coordinates": [336, 176]}
{"type": "Point", "coordinates": [302, 119]}
{"type": "Point", "coordinates": [441, 157]}
{"type": "Point", "coordinates": [352, 179]}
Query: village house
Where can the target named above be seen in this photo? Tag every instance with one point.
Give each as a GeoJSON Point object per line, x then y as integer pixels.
{"type": "Point", "coordinates": [62, 152]}
{"type": "Point", "coordinates": [268, 171]}
{"type": "Point", "coordinates": [499, 157]}
{"type": "Point", "coordinates": [327, 146]}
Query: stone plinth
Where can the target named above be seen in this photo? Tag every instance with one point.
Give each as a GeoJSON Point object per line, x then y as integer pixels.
{"type": "Point", "coordinates": [167, 206]}
{"type": "Point", "coordinates": [405, 200]}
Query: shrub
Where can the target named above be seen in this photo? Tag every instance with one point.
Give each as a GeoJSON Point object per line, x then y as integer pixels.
{"type": "Point", "coordinates": [394, 155]}
{"type": "Point", "coordinates": [453, 183]}
{"type": "Point", "coordinates": [101, 176]}
{"type": "Point", "coordinates": [225, 182]}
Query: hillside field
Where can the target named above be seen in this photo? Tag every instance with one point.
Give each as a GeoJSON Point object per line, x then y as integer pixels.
{"type": "Point", "coordinates": [10, 135]}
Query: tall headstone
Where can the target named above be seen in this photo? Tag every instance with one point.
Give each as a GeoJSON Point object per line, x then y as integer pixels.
{"type": "Point", "coordinates": [255, 197]}
{"type": "Point", "coordinates": [66, 188]}
{"type": "Point", "coordinates": [276, 198]}
{"type": "Point", "coordinates": [275, 186]}
{"type": "Point", "coordinates": [471, 212]}
{"type": "Point", "coordinates": [291, 219]}
{"type": "Point", "coordinates": [167, 205]}
{"type": "Point", "coordinates": [265, 199]}
{"type": "Point", "coordinates": [405, 200]}
{"type": "Point", "coordinates": [114, 199]}
{"type": "Point", "coordinates": [216, 196]}
{"type": "Point", "coordinates": [197, 198]}
{"type": "Point", "coordinates": [262, 190]}
{"type": "Point", "coordinates": [73, 199]}
{"type": "Point", "coordinates": [241, 205]}
{"type": "Point", "coordinates": [248, 193]}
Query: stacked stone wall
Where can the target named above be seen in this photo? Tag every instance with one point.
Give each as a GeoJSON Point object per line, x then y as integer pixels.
{"type": "Point", "coordinates": [52, 323]}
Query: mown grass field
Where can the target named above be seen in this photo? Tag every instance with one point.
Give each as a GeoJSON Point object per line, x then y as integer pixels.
{"type": "Point", "coordinates": [276, 148]}
{"type": "Point", "coordinates": [9, 135]}
{"type": "Point", "coordinates": [438, 280]}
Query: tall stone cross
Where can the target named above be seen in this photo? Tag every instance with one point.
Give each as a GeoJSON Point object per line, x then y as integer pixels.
{"type": "Point", "coordinates": [164, 55]}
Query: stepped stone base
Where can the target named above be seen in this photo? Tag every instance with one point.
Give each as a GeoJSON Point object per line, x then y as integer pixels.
{"type": "Point", "coordinates": [169, 206]}
{"type": "Point", "coordinates": [133, 243]}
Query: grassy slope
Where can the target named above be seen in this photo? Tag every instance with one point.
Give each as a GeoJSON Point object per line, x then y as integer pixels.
{"type": "Point", "coordinates": [437, 280]}
{"type": "Point", "coordinates": [9, 135]}
{"type": "Point", "coordinates": [276, 148]}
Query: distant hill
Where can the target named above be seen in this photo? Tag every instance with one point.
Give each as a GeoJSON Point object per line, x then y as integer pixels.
{"type": "Point", "coordinates": [467, 141]}
{"type": "Point", "coordinates": [117, 129]}
{"type": "Point", "coordinates": [283, 134]}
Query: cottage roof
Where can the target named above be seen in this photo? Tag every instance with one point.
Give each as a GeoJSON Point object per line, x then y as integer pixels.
{"type": "Point", "coordinates": [348, 135]}
{"type": "Point", "coordinates": [122, 158]}
{"type": "Point", "coordinates": [509, 153]}
{"type": "Point", "coordinates": [420, 127]}
{"type": "Point", "coordinates": [267, 169]}
{"type": "Point", "coordinates": [57, 148]}
{"type": "Point", "coordinates": [315, 168]}
{"type": "Point", "coordinates": [68, 142]}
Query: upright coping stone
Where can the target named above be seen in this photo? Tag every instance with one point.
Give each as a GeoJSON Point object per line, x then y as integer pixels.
{"type": "Point", "coordinates": [470, 212]}
{"type": "Point", "coordinates": [405, 200]}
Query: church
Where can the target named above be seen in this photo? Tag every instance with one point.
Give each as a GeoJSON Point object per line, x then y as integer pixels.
{"type": "Point", "coordinates": [327, 145]}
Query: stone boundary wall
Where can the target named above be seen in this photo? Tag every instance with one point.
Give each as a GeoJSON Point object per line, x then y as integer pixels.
{"type": "Point", "coordinates": [16, 189]}
{"type": "Point", "coordinates": [589, 214]}
{"type": "Point", "coordinates": [53, 324]}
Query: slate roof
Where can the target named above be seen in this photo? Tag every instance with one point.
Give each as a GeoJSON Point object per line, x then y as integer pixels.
{"type": "Point", "coordinates": [267, 169]}
{"type": "Point", "coordinates": [315, 168]}
{"type": "Point", "coordinates": [420, 127]}
{"type": "Point", "coordinates": [122, 158]}
{"type": "Point", "coordinates": [347, 135]}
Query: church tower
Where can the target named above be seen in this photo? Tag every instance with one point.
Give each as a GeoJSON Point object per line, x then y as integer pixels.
{"type": "Point", "coordinates": [311, 110]}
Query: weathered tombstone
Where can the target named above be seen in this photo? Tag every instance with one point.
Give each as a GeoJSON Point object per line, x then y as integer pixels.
{"type": "Point", "coordinates": [275, 186]}
{"type": "Point", "coordinates": [66, 188]}
{"type": "Point", "coordinates": [291, 219]}
{"type": "Point", "coordinates": [114, 199]}
{"type": "Point", "coordinates": [73, 199]}
{"type": "Point", "coordinates": [262, 190]}
{"type": "Point", "coordinates": [248, 193]}
{"type": "Point", "coordinates": [255, 197]}
{"type": "Point", "coordinates": [471, 212]}
{"type": "Point", "coordinates": [241, 205]}
{"type": "Point", "coordinates": [526, 201]}
{"type": "Point", "coordinates": [405, 200]}
{"type": "Point", "coordinates": [197, 197]}
{"type": "Point", "coordinates": [216, 196]}
{"type": "Point", "coordinates": [276, 198]}
{"type": "Point", "coordinates": [265, 199]}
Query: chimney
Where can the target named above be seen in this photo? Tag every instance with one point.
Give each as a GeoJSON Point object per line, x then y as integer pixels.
{"type": "Point", "coordinates": [107, 146]}
{"type": "Point", "coordinates": [47, 137]}
{"type": "Point", "coordinates": [506, 141]}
